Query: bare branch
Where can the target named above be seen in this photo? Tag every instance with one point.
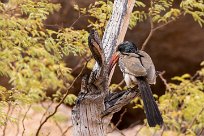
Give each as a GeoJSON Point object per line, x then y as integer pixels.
{"type": "Point", "coordinates": [201, 132]}
{"type": "Point", "coordinates": [94, 43]}
{"type": "Point", "coordinates": [58, 125]}
{"type": "Point", "coordinates": [163, 25]}
{"type": "Point", "coordinates": [24, 119]}
{"type": "Point", "coordinates": [164, 81]}
{"type": "Point", "coordinates": [150, 33]}
{"type": "Point", "coordinates": [120, 131]}
{"type": "Point", "coordinates": [119, 121]}
{"type": "Point", "coordinates": [62, 100]}
{"type": "Point", "coordinates": [139, 129]}
{"type": "Point", "coordinates": [81, 63]}
{"type": "Point", "coordinates": [46, 111]}
{"type": "Point", "coordinates": [117, 26]}
{"type": "Point", "coordinates": [153, 29]}
{"type": "Point", "coordinates": [67, 129]}
{"type": "Point", "coordinates": [79, 16]}
{"type": "Point", "coordinates": [115, 101]}
{"type": "Point", "coordinates": [91, 114]}
{"type": "Point", "coordinates": [119, 85]}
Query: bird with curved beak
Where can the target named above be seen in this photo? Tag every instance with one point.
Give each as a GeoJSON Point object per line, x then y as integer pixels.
{"type": "Point", "coordinates": [138, 69]}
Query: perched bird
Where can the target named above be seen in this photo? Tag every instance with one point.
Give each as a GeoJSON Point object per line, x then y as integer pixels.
{"type": "Point", "coordinates": [138, 69]}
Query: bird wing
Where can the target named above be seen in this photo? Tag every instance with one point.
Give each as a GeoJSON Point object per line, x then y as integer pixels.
{"type": "Point", "coordinates": [132, 65]}
{"type": "Point", "coordinates": [139, 65]}
{"type": "Point", "coordinates": [149, 66]}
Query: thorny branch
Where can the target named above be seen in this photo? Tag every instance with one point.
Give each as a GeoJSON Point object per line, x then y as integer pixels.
{"type": "Point", "coordinates": [62, 100]}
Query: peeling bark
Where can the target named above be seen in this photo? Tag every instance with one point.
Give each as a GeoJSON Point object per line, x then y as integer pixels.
{"type": "Point", "coordinates": [95, 104]}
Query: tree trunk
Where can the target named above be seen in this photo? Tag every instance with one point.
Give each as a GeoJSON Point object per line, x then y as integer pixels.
{"type": "Point", "coordinates": [95, 104]}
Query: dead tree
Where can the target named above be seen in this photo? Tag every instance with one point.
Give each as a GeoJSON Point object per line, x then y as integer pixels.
{"type": "Point", "coordinates": [95, 104]}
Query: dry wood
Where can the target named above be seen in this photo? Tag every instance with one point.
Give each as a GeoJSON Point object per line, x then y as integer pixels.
{"type": "Point", "coordinates": [95, 105]}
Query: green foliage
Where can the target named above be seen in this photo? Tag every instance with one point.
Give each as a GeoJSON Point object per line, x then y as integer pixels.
{"type": "Point", "coordinates": [195, 9]}
{"type": "Point", "coordinates": [182, 105]}
{"type": "Point", "coordinates": [138, 15]}
{"type": "Point", "coordinates": [99, 13]}
{"type": "Point", "coordinates": [70, 99]}
{"type": "Point", "coordinates": [31, 55]}
{"type": "Point", "coordinates": [163, 11]}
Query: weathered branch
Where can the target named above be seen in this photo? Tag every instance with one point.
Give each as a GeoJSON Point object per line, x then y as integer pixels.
{"type": "Point", "coordinates": [95, 105]}
{"type": "Point", "coordinates": [95, 47]}
{"type": "Point", "coordinates": [115, 101]}
{"type": "Point", "coordinates": [117, 26]}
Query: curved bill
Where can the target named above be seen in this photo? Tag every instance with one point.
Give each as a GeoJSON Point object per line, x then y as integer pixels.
{"type": "Point", "coordinates": [113, 61]}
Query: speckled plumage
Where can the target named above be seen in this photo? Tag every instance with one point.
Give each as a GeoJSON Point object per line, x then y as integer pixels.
{"type": "Point", "coordinates": [138, 69]}
{"type": "Point", "coordinates": [137, 65]}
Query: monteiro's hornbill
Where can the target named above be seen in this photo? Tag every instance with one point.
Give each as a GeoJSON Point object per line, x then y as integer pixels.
{"type": "Point", "coordinates": [138, 69]}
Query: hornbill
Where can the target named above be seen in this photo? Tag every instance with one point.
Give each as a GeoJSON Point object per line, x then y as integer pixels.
{"type": "Point", "coordinates": [138, 69]}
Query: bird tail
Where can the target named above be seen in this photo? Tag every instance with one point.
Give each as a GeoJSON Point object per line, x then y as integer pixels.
{"type": "Point", "coordinates": [152, 112]}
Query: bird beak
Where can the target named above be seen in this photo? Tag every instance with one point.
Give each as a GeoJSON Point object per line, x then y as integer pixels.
{"type": "Point", "coordinates": [114, 60]}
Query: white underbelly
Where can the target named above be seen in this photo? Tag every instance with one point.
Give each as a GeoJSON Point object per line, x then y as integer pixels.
{"type": "Point", "coordinates": [130, 80]}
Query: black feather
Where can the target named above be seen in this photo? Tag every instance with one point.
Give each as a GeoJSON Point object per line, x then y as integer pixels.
{"type": "Point", "coordinates": [151, 109]}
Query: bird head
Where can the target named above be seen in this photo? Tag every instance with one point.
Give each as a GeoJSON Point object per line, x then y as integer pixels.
{"type": "Point", "coordinates": [123, 48]}
{"type": "Point", "coordinates": [127, 47]}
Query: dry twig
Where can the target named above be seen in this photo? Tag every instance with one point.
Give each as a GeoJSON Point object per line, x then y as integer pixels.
{"type": "Point", "coordinates": [195, 118]}
{"type": "Point", "coordinates": [139, 129]}
{"type": "Point", "coordinates": [62, 100]}
{"type": "Point", "coordinates": [164, 81]}
{"type": "Point", "coordinates": [119, 85]}
{"type": "Point", "coordinates": [119, 121]}
{"type": "Point", "coordinates": [58, 125]}
{"type": "Point", "coordinates": [44, 114]}
{"type": "Point", "coordinates": [67, 129]}
{"type": "Point", "coordinates": [24, 119]}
